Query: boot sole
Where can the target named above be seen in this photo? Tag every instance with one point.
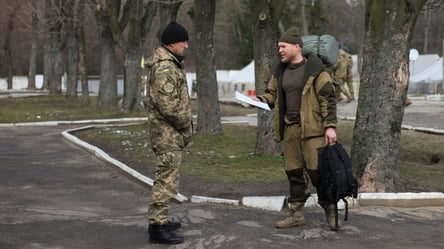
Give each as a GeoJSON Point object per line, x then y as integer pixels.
{"type": "Point", "coordinates": [295, 225]}
{"type": "Point", "coordinates": [152, 241]}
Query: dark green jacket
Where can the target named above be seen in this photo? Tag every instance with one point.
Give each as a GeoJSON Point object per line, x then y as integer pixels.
{"type": "Point", "coordinates": [318, 103]}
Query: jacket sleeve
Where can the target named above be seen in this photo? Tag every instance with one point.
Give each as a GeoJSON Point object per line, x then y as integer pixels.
{"type": "Point", "coordinates": [327, 99]}
{"type": "Point", "coordinates": [171, 98]}
{"type": "Point", "coordinates": [349, 69]}
{"type": "Point", "coordinates": [270, 94]}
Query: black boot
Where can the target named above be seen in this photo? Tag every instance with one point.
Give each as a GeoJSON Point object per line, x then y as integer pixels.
{"type": "Point", "coordinates": [173, 225]}
{"type": "Point", "coordinates": [161, 234]}
{"type": "Point", "coordinates": [170, 226]}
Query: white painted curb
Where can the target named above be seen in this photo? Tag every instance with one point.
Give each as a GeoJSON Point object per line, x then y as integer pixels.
{"type": "Point", "coordinates": [406, 127]}
{"type": "Point", "coordinates": [402, 199]}
{"type": "Point", "coordinates": [104, 156]}
{"type": "Point", "coordinates": [204, 199]}
{"type": "Point", "coordinates": [276, 203]}
{"type": "Point", "coordinates": [272, 203]}
{"type": "Point", "coordinates": [55, 123]}
{"type": "Point", "coordinates": [405, 195]}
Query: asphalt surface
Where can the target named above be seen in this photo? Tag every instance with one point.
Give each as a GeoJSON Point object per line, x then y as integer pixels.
{"type": "Point", "coordinates": [421, 113]}
{"type": "Point", "coordinates": [55, 195]}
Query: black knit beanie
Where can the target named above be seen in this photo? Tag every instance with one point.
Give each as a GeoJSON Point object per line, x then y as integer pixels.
{"type": "Point", "coordinates": [291, 36]}
{"type": "Point", "coordinates": [173, 33]}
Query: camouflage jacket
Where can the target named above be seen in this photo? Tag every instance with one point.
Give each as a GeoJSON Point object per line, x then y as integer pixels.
{"type": "Point", "coordinates": [169, 108]}
{"type": "Point", "coordinates": [343, 67]}
{"type": "Point", "coordinates": [318, 103]}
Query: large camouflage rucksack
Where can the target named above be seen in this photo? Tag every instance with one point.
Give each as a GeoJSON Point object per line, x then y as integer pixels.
{"type": "Point", "coordinates": [324, 46]}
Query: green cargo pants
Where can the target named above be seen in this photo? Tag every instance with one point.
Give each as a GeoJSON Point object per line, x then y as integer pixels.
{"type": "Point", "coordinates": [301, 163]}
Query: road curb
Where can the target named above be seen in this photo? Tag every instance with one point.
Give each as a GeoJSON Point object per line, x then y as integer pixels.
{"type": "Point", "coordinates": [90, 121]}
{"type": "Point", "coordinates": [223, 121]}
{"type": "Point", "coordinates": [273, 203]}
{"type": "Point", "coordinates": [405, 127]}
{"type": "Point", "coordinates": [402, 199]}
{"type": "Point", "coordinates": [104, 156]}
{"type": "Point", "coordinates": [213, 200]}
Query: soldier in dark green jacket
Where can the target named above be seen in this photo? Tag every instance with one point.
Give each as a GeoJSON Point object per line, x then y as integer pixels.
{"type": "Point", "coordinates": [170, 126]}
{"type": "Point", "coordinates": [303, 96]}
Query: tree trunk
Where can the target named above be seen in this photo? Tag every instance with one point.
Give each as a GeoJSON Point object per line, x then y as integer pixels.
{"type": "Point", "coordinates": [168, 12]}
{"type": "Point", "coordinates": [56, 58]}
{"type": "Point", "coordinates": [34, 46]}
{"type": "Point", "coordinates": [72, 52]}
{"type": "Point", "coordinates": [304, 18]}
{"type": "Point", "coordinates": [54, 44]}
{"type": "Point", "coordinates": [428, 16]}
{"type": "Point", "coordinates": [83, 63]}
{"type": "Point", "coordinates": [7, 46]}
{"type": "Point", "coordinates": [383, 90]}
{"type": "Point", "coordinates": [107, 97]}
{"type": "Point", "coordinates": [108, 79]}
{"type": "Point", "coordinates": [139, 17]}
{"type": "Point", "coordinates": [53, 63]}
{"type": "Point", "coordinates": [208, 117]}
{"type": "Point", "coordinates": [266, 16]}
{"type": "Point", "coordinates": [131, 94]}
{"type": "Point", "coordinates": [133, 50]}
{"type": "Point", "coordinates": [47, 70]}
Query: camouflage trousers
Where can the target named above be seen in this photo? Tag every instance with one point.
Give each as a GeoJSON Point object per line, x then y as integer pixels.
{"type": "Point", "coordinates": [345, 88]}
{"type": "Point", "coordinates": [165, 186]}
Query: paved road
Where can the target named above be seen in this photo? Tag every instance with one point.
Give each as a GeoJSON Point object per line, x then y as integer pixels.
{"type": "Point", "coordinates": [55, 195]}
{"type": "Point", "coordinates": [421, 114]}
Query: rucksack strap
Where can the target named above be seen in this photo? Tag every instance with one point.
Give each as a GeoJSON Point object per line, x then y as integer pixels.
{"type": "Point", "coordinates": [336, 216]}
{"type": "Point", "coordinates": [346, 209]}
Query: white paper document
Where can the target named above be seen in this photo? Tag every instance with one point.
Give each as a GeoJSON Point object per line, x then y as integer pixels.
{"type": "Point", "coordinates": [244, 98]}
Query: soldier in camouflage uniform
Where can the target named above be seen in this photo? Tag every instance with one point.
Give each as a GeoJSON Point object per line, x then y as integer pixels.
{"type": "Point", "coordinates": [303, 96]}
{"type": "Point", "coordinates": [342, 70]}
{"type": "Point", "coordinates": [170, 126]}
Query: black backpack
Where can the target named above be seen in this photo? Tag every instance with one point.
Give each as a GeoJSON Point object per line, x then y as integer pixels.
{"type": "Point", "coordinates": [337, 180]}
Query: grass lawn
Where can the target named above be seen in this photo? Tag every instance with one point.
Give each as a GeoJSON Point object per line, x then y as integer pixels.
{"type": "Point", "coordinates": [226, 158]}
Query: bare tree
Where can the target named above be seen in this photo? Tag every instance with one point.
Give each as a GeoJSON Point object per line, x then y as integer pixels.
{"type": "Point", "coordinates": [317, 23]}
{"type": "Point", "coordinates": [304, 18]}
{"type": "Point", "coordinates": [384, 82]}
{"type": "Point", "coordinates": [34, 46]}
{"type": "Point", "coordinates": [72, 49]}
{"type": "Point", "coordinates": [83, 63]}
{"type": "Point", "coordinates": [243, 33]}
{"type": "Point", "coordinates": [107, 97]}
{"type": "Point", "coordinates": [139, 15]}
{"type": "Point", "coordinates": [75, 62]}
{"type": "Point", "coordinates": [266, 16]}
{"type": "Point", "coordinates": [168, 12]}
{"type": "Point", "coordinates": [7, 44]}
{"type": "Point", "coordinates": [54, 45]}
{"type": "Point", "coordinates": [428, 17]}
{"type": "Point", "coordinates": [428, 34]}
{"type": "Point", "coordinates": [208, 118]}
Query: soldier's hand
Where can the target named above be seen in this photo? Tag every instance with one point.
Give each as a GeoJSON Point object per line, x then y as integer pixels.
{"type": "Point", "coordinates": [330, 135]}
{"type": "Point", "coordinates": [188, 140]}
